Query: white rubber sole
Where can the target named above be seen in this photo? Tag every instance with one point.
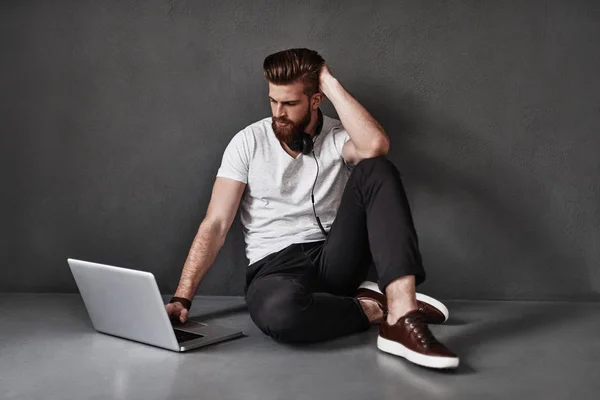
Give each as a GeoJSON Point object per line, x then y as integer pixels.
{"type": "Point", "coordinates": [370, 285]}
{"type": "Point", "coordinates": [397, 349]}
{"type": "Point", "coordinates": [435, 303]}
{"type": "Point", "coordinates": [420, 296]}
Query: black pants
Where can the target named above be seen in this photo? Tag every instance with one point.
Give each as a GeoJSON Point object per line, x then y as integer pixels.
{"type": "Point", "coordinates": [304, 293]}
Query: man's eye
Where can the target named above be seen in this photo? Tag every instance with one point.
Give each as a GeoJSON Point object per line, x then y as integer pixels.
{"type": "Point", "coordinates": [284, 103]}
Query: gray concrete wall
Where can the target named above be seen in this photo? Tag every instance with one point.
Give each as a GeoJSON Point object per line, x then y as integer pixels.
{"type": "Point", "coordinates": [115, 114]}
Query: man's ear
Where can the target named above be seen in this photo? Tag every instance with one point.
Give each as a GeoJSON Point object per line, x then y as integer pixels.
{"type": "Point", "coordinates": [316, 101]}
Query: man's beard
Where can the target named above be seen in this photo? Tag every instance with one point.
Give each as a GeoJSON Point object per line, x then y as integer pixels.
{"type": "Point", "coordinates": [291, 131]}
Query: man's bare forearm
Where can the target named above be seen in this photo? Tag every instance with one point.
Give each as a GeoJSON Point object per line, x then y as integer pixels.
{"type": "Point", "coordinates": [204, 250]}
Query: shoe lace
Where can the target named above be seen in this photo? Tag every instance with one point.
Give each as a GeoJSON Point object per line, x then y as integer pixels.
{"type": "Point", "coordinates": [421, 330]}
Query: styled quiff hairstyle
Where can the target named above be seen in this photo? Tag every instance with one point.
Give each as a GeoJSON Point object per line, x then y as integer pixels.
{"type": "Point", "coordinates": [289, 66]}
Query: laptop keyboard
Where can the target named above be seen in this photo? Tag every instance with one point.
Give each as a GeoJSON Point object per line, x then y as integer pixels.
{"type": "Point", "coordinates": [183, 336]}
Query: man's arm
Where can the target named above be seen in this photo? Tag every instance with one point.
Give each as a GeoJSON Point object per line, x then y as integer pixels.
{"type": "Point", "coordinates": [367, 137]}
{"type": "Point", "coordinates": [224, 202]}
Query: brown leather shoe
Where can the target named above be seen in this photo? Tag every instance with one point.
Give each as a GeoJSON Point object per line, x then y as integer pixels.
{"type": "Point", "coordinates": [411, 338]}
{"type": "Point", "coordinates": [435, 310]}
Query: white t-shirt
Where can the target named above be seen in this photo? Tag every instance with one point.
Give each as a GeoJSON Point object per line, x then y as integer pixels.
{"type": "Point", "coordinates": [276, 209]}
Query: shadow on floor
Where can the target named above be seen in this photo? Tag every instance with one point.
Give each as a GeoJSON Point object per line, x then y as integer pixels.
{"type": "Point", "coordinates": [500, 324]}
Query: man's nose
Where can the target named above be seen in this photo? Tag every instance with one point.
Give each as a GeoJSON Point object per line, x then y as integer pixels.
{"type": "Point", "coordinates": [280, 112]}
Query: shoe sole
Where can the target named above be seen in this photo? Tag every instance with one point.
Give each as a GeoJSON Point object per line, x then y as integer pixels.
{"type": "Point", "coordinates": [397, 349]}
{"type": "Point", "coordinates": [420, 296]}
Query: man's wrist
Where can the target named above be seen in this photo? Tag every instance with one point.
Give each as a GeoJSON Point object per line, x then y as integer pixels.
{"type": "Point", "coordinates": [186, 303]}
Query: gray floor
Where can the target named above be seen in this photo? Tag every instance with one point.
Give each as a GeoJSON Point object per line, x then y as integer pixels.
{"type": "Point", "coordinates": [509, 350]}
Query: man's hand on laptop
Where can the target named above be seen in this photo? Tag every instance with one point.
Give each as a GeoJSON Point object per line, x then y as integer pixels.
{"type": "Point", "coordinates": [177, 311]}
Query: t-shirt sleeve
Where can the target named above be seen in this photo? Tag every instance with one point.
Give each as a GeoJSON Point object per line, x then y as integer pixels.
{"type": "Point", "coordinates": [236, 159]}
{"type": "Point", "coordinates": [341, 137]}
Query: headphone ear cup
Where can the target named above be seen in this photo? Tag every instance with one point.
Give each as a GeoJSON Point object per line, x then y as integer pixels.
{"type": "Point", "coordinates": [307, 143]}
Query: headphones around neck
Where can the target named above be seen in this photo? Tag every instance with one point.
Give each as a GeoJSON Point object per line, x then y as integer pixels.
{"type": "Point", "coordinates": [305, 142]}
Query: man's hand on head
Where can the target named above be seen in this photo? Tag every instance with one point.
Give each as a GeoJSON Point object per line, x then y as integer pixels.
{"type": "Point", "coordinates": [325, 77]}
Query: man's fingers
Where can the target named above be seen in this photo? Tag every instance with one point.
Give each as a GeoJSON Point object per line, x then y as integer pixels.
{"type": "Point", "coordinates": [183, 315]}
{"type": "Point", "coordinates": [169, 308]}
{"type": "Point", "coordinates": [176, 310]}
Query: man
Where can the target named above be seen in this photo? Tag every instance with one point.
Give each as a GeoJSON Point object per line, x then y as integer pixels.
{"type": "Point", "coordinates": [320, 203]}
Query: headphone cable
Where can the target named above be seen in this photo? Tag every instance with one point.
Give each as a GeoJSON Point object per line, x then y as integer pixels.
{"type": "Point", "coordinates": [312, 196]}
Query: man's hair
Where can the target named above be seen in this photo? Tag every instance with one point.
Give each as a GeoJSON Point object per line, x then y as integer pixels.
{"type": "Point", "coordinates": [288, 66]}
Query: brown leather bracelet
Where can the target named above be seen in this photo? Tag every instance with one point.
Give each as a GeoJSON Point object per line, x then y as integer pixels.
{"type": "Point", "coordinates": [181, 300]}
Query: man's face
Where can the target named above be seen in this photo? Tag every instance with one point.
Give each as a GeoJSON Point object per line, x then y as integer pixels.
{"type": "Point", "coordinates": [291, 110]}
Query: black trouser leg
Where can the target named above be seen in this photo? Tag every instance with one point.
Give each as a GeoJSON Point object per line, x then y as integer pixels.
{"type": "Point", "coordinates": [373, 225]}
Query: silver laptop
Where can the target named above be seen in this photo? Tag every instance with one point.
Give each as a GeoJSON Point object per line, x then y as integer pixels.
{"type": "Point", "coordinates": [127, 303]}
